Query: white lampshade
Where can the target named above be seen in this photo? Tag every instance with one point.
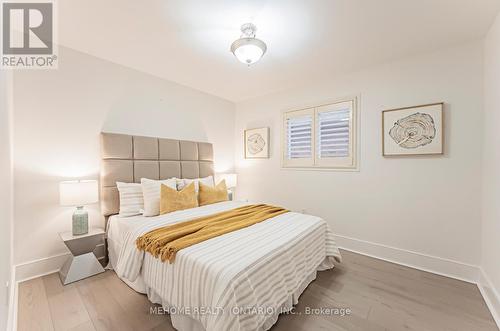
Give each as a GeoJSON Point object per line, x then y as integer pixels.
{"type": "Point", "coordinates": [231, 179]}
{"type": "Point", "coordinates": [249, 53]}
{"type": "Point", "coordinates": [78, 192]}
{"type": "Point", "coordinates": [248, 49]}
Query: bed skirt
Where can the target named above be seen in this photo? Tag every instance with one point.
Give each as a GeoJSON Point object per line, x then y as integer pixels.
{"type": "Point", "coordinates": [183, 322]}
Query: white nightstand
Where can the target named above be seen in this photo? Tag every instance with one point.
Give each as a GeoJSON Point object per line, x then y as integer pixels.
{"type": "Point", "coordinates": [82, 263]}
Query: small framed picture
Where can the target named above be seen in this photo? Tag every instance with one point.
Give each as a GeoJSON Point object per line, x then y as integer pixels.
{"type": "Point", "coordinates": [413, 130]}
{"type": "Point", "coordinates": [257, 143]}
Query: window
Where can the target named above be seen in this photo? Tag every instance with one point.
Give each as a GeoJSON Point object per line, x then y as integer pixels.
{"type": "Point", "coordinates": [321, 137]}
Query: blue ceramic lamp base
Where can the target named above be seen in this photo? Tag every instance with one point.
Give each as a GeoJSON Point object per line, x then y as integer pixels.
{"type": "Point", "coordinates": [80, 221]}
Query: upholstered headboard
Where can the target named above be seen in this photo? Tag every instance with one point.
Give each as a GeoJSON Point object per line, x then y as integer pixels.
{"type": "Point", "coordinates": [128, 158]}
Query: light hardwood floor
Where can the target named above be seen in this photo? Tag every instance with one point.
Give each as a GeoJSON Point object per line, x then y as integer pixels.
{"type": "Point", "coordinates": [381, 295]}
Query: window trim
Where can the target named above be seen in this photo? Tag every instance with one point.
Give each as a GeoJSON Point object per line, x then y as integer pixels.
{"type": "Point", "coordinates": [346, 163]}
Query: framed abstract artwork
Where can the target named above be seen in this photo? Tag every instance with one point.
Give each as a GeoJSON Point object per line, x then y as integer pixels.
{"type": "Point", "coordinates": [414, 130]}
{"type": "Point", "coordinates": [257, 143]}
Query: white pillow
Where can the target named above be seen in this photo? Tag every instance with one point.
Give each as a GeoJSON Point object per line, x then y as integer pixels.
{"type": "Point", "coordinates": [131, 201]}
{"type": "Point", "coordinates": [182, 183]}
{"type": "Point", "coordinates": [151, 191]}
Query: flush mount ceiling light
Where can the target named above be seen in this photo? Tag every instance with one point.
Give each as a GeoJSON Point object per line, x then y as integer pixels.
{"type": "Point", "coordinates": [248, 49]}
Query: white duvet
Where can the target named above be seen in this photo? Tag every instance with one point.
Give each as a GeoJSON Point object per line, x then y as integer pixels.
{"type": "Point", "coordinates": [239, 281]}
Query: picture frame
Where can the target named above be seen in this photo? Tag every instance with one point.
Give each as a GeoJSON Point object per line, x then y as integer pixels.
{"type": "Point", "coordinates": [256, 143]}
{"type": "Point", "coordinates": [410, 131]}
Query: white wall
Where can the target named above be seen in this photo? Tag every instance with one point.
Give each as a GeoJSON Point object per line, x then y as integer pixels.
{"type": "Point", "coordinates": [57, 120]}
{"type": "Point", "coordinates": [5, 196]}
{"type": "Point", "coordinates": [428, 205]}
{"type": "Point", "coordinates": [491, 167]}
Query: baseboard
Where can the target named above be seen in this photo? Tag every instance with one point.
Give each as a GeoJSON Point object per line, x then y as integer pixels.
{"type": "Point", "coordinates": [490, 295]}
{"type": "Point", "coordinates": [47, 265]}
{"type": "Point", "coordinates": [445, 267]}
{"type": "Point", "coordinates": [433, 264]}
{"type": "Point", "coordinates": [33, 269]}
{"type": "Point", "coordinates": [12, 310]}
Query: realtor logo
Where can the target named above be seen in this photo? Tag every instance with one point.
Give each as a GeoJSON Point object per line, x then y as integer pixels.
{"type": "Point", "coordinates": [28, 35]}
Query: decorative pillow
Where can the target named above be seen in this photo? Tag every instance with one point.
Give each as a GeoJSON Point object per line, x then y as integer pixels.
{"type": "Point", "coordinates": [151, 191]}
{"type": "Point", "coordinates": [172, 200]}
{"type": "Point", "coordinates": [209, 181]}
{"type": "Point", "coordinates": [131, 200]}
{"type": "Point", "coordinates": [208, 195]}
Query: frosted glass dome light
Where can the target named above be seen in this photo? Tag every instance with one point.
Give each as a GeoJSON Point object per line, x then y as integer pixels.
{"type": "Point", "coordinates": [248, 49]}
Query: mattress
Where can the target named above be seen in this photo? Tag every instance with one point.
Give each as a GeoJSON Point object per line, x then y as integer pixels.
{"type": "Point", "coordinates": [239, 281]}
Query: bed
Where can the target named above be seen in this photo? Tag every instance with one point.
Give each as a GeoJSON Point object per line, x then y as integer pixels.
{"type": "Point", "coordinates": [241, 280]}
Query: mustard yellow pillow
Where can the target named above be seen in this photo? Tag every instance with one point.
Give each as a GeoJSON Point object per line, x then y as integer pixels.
{"type": "Point", "coordinates": [172, 200]}
{"type": "Point", "coordinates": [208, 195]}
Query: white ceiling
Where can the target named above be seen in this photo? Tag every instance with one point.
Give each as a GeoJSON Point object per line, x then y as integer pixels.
{"type": "Point", "coordinates": [187, 41]}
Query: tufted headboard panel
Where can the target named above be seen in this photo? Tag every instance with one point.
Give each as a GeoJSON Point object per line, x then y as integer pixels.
{"type": "Point", "coordinates": [127, 158]}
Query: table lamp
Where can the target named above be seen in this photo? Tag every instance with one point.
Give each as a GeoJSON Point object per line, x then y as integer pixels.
{"type": "Point", "coordinates": [79, 193]}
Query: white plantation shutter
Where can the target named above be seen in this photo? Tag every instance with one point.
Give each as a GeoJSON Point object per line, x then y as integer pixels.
{"type": "Point", "coordinates": [333, 133]}
{"type": "Point", "coordinates": [321, 137]}
{"type": "Point", "coordinates": [299, 138]}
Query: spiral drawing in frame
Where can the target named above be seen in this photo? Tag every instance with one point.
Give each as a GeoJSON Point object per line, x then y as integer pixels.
{"type": "Point", "coordinates": [256, 143]}
{"type": "Point", "coordinates": [414, 130]}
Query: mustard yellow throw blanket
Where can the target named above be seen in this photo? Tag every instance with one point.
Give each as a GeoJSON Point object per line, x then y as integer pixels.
{"type": "Point", "coordinates": [165, 242]}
